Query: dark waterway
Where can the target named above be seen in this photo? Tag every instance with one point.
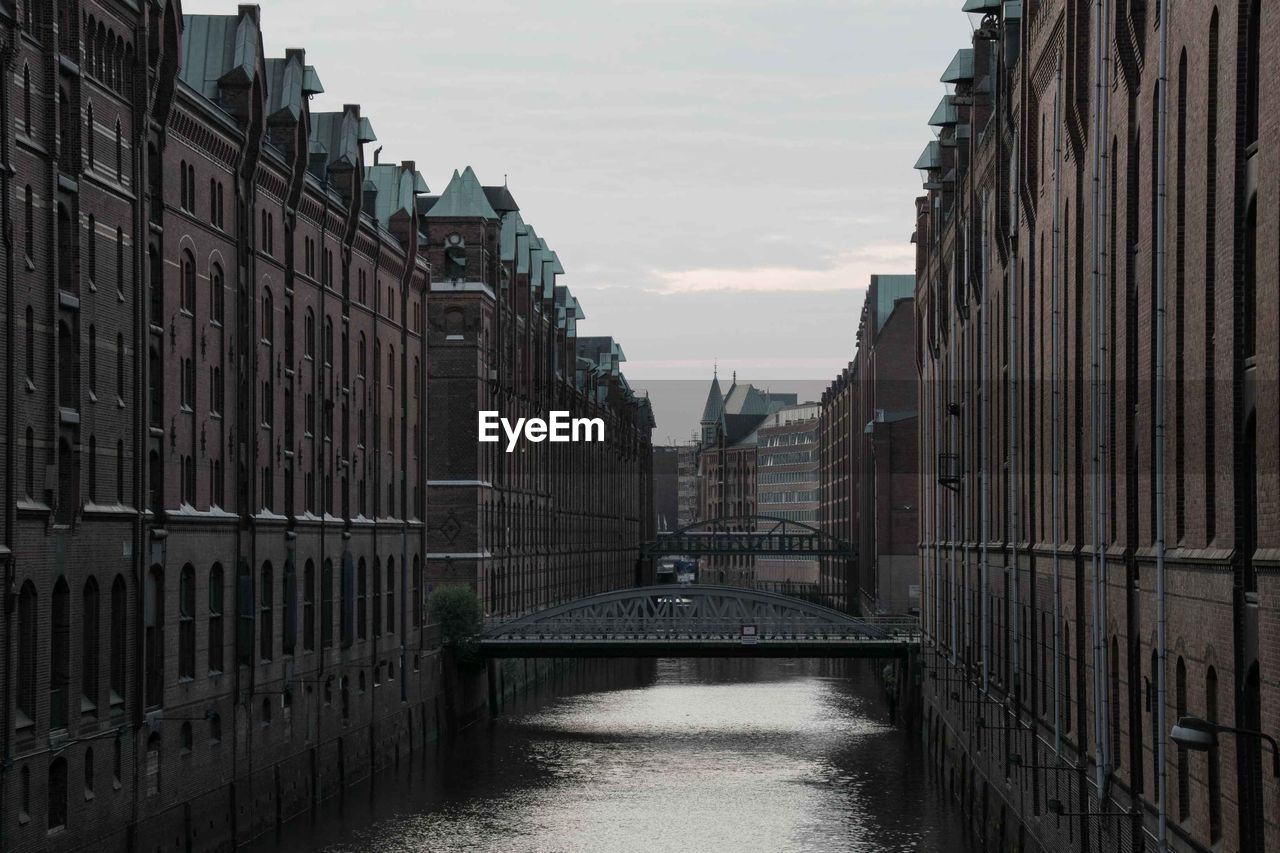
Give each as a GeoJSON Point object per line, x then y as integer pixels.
{"type": "Point", "coordinates": [707, 756]}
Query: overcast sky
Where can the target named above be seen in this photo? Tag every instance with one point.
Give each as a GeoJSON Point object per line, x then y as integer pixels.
{"type": "Point", "coordinates": [719, 177]}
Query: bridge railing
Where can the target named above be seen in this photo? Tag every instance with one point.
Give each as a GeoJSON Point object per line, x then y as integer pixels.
{"type": "Point", "coordinates": [889, 629]}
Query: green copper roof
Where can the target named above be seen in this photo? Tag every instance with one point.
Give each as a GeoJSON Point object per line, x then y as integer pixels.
{"type": "Point", "coordinates": [395, 190]}
{"type": "Point", "coordinates": [365, 132]}
{"type": "Point", "coordinates": [888, 290]}
{"type": "Point", "coordinates": [945, 115]}
{"type": "Point", "coordinates": [334, 136]}
{"type": "Point", "coordinates": [522, 247]}
{"type": "Point", "coordinates": [931, 157]}
{"type": "Point", "coordinates": [534, 269]}
{"type": "Point", "coordinates": [311, 84]}
{"type": "Point", "coordinates": [1012, 10]}
{"type": "Point", "coordinates": [713, 409]}
{"type": "Point", "coordinates": [218, 49]}
{"type": "Point", "coordinates": [284, 88]}
{"type": "Point", "coordinates": [982, 6]}
{"type": "Point", "coordinates": [961, 68]}
{"type": "Point", "coordinates": [464, 198]}
{"type": "Point", "coordinates": [507, 240]}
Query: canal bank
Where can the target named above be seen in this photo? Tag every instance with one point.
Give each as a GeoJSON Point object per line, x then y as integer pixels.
{"type": "Point", "coordinates": [706, 755]}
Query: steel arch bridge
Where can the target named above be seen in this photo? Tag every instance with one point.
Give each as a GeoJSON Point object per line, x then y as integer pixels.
{"type": "Point", "coordinates": [752, 535]}
{"type": "Point", "coordinates": [698, 621]}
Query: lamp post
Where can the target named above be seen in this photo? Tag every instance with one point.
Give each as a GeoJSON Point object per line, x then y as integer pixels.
{"type": "Point", "coordinates": [1201, 735]}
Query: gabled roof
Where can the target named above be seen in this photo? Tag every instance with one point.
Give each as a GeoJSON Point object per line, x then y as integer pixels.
{"type": "Point", "coordinates": [218, 49]}
{"type": "Point", "coordinates": [285, 88]}
{"type": "Point", "coordinates": [464, 198]}
{"type": "Point", "coordinates": [395, 188]}
{"type": "Point", "coordinates": [334, 136]}
{"type": "Point", "coordinates": [500, 199]}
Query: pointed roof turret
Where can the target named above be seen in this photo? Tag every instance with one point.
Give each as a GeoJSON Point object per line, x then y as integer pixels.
{"type": "Point", "coordinates": [714, 409]}
{"type": "Point", "coordinates": [464, 198]}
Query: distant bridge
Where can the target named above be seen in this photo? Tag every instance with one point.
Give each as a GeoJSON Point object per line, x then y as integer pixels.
{"type": "Point", "coordinates": [750, 535]}
{"type": "Point", "coordinates": [698, 621]}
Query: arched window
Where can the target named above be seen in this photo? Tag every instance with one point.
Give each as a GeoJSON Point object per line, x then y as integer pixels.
{"type": "Point", "coordinates": [28, 636]}
{"type": "Point", "coordinates": [93, 358]}
{"type": "Point", "coordinates": [266, 622]}
{"type": "Point", "coordinates": [188, 282]}
{"type": "Point", "coordinates": [362, 617]}
{"type": "Point", "coordinates": [88, 773]}
{"type": "Point", "coordinates": [187, 622]}
{"type": "Point", "coordinates": [417, 592]}
{"type": "Point", "coordinates": [31, 464]}
{"type": "Point", "coordinates": [182, 184]}
{"type": "Point", "coordinates": [58, 793]}
{"type": "Point", "coordinates": [91, 238]}
{"type": "Point", "coordinates": [309, 334]}
{"type": "Point", "coordinates": [326, 604]}
{"type": "Point", "coordinates": [89, 135]}
{"type": "Point", "coordinates": [152, 766]}
{"type": "Point", "coordinates": [216, 597]}
{"type": "Point", "coordinates": [309, 606]}
{"type": "Point", "coordinates": [31, 344]}
{"type": "Point", "coordinates": [1214, 756]}
{"type": "Point", "coordinates": [29, 225]}
{"type": "Point", "coordinates": [119, 153]}
{"type": "Point", "coordinates": [26, 99]}
{"type": "Point", "coordinates": [377, 597]}
{"type": "Point", "coordinates": [89, 642]}
{"type": "Point", "coordinates": [216, 293]}
{"type": "Point", "coordinates": [60, 654]}
{"type": "Point", "coordinates": [119, 638]}
{"type": "Point", "coordinates": [244, 614]}
{"type": "Point", "coordinates": [268, 318]}
{"type": "Point", "coordinates": [184, 738]}
{"type": "Point", "coordinates": [391, 595]}
{"type": "Point", "coordinates": [153, 637]}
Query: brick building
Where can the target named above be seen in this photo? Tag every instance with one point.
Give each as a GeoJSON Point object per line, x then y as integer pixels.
{"type": "Point", "coordinates": [548, 521]}
{"type": "Point", "coordinates": [215, 488]}
{"type": "Point", "coordinates": [868, 458]}
{"type": "Point", "coordinates": [1096, 307]}
{"type": "Point", "coordinates": [727, 468]}
{"type": "Point", "coordinates": [787, 487]}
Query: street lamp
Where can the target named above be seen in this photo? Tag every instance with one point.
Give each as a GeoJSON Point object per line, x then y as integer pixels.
{"type": "Point", "coordinates": [1201, 735]}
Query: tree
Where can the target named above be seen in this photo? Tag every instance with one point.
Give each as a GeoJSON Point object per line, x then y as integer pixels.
{"type": "Point", "coordinates": [456, 610]}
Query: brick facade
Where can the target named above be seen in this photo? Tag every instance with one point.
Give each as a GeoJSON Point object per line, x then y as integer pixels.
{"type": "Point", "coordinates": [1048, 514]}
{"type": "Point", "coordinates": [218, 520]}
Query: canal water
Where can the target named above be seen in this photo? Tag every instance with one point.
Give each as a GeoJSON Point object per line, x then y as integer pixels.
{"type": "Point", "coordinates": [701, 755]}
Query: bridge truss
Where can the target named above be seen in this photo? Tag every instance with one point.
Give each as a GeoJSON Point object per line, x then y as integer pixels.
{"type": "Point", "coordinates": [698, 621]}
{"type": "Point", "coordinates": [758, 535]}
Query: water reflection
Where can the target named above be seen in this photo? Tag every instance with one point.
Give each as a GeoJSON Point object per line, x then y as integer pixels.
{"type": "Point", "coordinates": [713, 755]}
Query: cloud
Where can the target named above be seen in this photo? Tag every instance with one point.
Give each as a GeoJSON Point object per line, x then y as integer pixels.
{"type": "Point", "coordinates": [848, 270]}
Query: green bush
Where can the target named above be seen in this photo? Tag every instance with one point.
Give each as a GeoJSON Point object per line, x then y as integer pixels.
{"type": "Point", "coordinates": [456, 609]}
